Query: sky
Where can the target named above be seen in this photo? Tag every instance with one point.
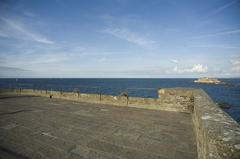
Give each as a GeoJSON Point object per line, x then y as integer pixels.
{"type": "Point", "coordinates": [119, 38]}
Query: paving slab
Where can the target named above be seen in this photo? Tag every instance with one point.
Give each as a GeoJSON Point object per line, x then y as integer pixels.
{"type": "Point", "coordinates": [40, 127]}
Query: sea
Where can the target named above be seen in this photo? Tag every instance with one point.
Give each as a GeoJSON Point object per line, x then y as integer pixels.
{"type": "Point", "coordinates": [228, 93]}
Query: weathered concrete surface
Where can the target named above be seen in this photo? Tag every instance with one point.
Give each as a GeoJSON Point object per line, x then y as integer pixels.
{"type": "Point", "coordinates": [38, 127]}
{"type": "Point", "coordinates": [217, 134]}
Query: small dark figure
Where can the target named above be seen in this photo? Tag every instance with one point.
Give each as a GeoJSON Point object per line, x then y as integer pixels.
{"type": "Point", "coordinates": [50, 96]}
{"type": "Point", "coordinates": [224, 105]}
{"type": "Point", "coordinates": [125, 94]}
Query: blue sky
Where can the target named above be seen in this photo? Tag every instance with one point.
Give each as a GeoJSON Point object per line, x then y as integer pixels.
{"type": "Point", "coordinates": [119, 38]}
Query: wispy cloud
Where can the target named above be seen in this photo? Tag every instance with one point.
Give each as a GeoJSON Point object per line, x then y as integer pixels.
{"type": "Point", "coordinates": [15, 29]}
{"type": "Point", "coordinates": [101, 60]}
{"type": "Point", "coordinates": [228, 32]}
{"type": "Point", "coordinates": [2, 61]}
{"type": "Point", "coordinates": [129, 36]}
{"type": "Point", "coordinates": [37, 55]}
{"type": "Point", "coordinates": [236, 64]}
{"type": "Point", "coordinates": [121, 27]}
{"type": "Point", "coordinates": [197, 68]}
{"type": "Point", "coordinates": [12, 69]}
{"type": "Point", "coordinates": [216, 46]}
{"type": "Point", "coordinates": [50, 58]}
{"type": "Point", "coordinates": [174, 61]}
{"type": "Point", "coordinates": [223, 7]}
{"type": "Point", "coordinates": [28, 13]}
{"type": "Point", "coordinates": [4, 35]}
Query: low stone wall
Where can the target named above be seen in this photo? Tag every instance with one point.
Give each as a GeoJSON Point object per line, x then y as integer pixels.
{"type": "Point", "coordinates": [217, 134]}
{"type": "Point", "coordinates": [170, 100]}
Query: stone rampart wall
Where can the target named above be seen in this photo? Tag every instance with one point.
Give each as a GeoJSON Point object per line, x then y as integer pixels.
{"type": "Point", "coordinates": [217, 134]}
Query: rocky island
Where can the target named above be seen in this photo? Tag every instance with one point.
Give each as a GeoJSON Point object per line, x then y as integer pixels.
{"type": "Point", "coordinates": [207, 80]}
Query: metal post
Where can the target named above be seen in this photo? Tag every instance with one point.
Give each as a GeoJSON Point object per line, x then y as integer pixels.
{"type": "Point", "coordinates": [100, 94]}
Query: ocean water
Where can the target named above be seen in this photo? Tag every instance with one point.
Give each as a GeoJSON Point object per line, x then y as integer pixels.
{"type": "Point", "coordinates": [229, 93]}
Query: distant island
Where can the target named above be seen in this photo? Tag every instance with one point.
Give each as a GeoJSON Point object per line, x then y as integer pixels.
{"type": "Point", "coordinates": [207, 80]}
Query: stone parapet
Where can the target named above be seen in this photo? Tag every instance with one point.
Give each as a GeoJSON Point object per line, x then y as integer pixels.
{"type": "Point", "coordinates": [217, 134]}
{"type": "Point", "coordinates": [181, 98]}
{"type": "Point", "coordinates": [168, 101]}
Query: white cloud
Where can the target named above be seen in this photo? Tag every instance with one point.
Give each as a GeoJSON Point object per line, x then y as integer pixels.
{"type": "Point", "coordinates": [174, 61]}
{"type": "Point", "coordinates": [236, 65]}
{"type": "Point", "coordinates": [236, 69]}
{"type": "Point", "coordinates": [130, 36]}
{"type": "Point", "coordinates": [18, 30]}
{"type": "Point", "coordinates": [236, 61]}
{"type": "Point", "coordinates": [198, 68]}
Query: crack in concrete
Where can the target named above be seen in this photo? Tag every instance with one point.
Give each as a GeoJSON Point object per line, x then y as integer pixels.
{"type": "Point", "coordinates": [15, 112]}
